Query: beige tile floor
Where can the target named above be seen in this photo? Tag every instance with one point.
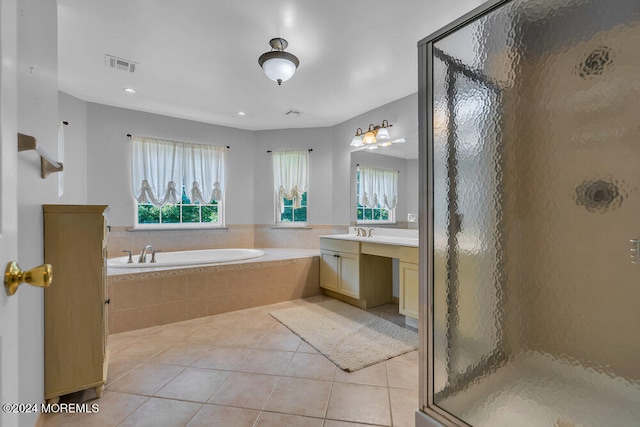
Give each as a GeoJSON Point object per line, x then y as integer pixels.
{"type": "Point", "coordinates": [244, 369]}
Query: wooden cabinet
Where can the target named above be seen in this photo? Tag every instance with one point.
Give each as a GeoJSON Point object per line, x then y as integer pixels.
{"type": "Point", "coordinates": [346, 274]}
{"type": "Point", "coordinates": [75, 322]}
{"type": "Point", "coordinates": [361, 273]}
{"type": "Point", "coordinates": [329, 270]}
{"type": "Point", "coordinates": [349, 277]}
{"type": "Point", "coordinates": [409, 283]}
{"type": "Point", "coordinates": [340, 272]}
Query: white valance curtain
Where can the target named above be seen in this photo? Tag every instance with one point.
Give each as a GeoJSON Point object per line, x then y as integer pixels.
{"type": "Point", "coordinates": [160, 168]}
{"type": "Point", "coordinates": [378, 186]}
{"type": "Point", "coordinates": [290, 176]}
{"type": "Point", "coordinates": [204, 172]}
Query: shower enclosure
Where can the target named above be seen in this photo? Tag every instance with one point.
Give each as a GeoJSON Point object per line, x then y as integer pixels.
{"type": "Point", "coordinates": [530, 171]}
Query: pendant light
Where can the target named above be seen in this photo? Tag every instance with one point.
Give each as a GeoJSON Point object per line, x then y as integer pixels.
{"type": "Point", "coordinates": [278, 65]}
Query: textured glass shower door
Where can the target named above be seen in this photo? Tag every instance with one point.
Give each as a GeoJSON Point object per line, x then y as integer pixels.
{"type": "Point", "coordinates": [534, 141]}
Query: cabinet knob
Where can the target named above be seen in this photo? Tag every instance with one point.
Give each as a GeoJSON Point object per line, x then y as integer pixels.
{"type": "Point", "coordinates": [107, 301]}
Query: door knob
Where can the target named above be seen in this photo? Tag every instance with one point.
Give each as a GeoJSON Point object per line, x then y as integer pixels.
{"type": "Point", "coordinates": [40, 276]}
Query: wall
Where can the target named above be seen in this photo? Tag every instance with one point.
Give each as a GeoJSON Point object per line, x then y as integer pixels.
{"type": "Point", "coordinates": [249, 195]}
{"type": "Point", "coordinates": [412, 189]}
{"type": "Point", "coordinates": [73, 111]}
{"type": "Point", "coordinates": [320, 171]}
{"type": "Point", "coordinates": [109, 158]}
{"type": "Point", "coordinates": [37, 116]}
{"type": "Point", "coordinates": [320, 179]}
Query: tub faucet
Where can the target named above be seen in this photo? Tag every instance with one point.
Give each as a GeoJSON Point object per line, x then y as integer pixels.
{"type": "Point", "coordinates": [153, 254]}
{"type": "Point", "coordinates": [143, 254]}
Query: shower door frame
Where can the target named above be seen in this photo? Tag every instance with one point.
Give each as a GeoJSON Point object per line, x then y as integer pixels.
{"type": "Point", "coordinates": [426, 212]}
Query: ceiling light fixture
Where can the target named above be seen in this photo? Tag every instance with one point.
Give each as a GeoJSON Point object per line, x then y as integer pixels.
{"type": "Point", "coordinates": [373, 134]}
{"type": "Point", "coordinates": [278, 65]}
{"type": "Point", "coordinates": [242, 113]}
{"type": "Point", "coordinates": [129, 90]}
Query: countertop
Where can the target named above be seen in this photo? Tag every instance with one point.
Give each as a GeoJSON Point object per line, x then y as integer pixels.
{"type": "Point", "coordinates": [386, 240]}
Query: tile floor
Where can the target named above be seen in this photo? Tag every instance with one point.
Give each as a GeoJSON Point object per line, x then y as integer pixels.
{"type": "Point", "coordinates": [243, 369]}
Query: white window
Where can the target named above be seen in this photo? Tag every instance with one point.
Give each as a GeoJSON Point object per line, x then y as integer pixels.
{"type": "Point", "coordinates": [376, 195]}
{"type": "Point", "coordinates": [291, 181]}
{"type": "Point", "coordinates": [177, 184]}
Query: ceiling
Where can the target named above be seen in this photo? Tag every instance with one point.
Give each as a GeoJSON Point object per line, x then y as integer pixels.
{"type": "Point", "coordinates": [198, 59]}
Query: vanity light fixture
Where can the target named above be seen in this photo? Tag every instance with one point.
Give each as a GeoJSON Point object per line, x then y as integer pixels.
{"type": "Point", "coordinates": [373, 134]}
{"type": "Point", "coordinates": [357, 139]}
{"type": "Point", "coordinates": [278, 65]}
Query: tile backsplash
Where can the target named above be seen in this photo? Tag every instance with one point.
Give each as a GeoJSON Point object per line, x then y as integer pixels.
{"type": "Point", "coordinates": [232, 236]}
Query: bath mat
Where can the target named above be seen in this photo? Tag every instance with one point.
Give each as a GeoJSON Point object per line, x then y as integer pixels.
{"type": "Point", "coordinates": [348, 336]}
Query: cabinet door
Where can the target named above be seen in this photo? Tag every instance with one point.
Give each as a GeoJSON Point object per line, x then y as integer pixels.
{"type": "Point", "coordinates": [409, 289]}
{"type": "Point", "coordinates": [328, 270]}
{"type": "Point", "coordinates": [349, 275]}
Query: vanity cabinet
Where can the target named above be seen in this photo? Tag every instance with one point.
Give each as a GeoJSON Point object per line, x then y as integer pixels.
{"type": "Point", "coordinates": [75, 311]}
{"type": "Point", "coordinates": [360, 272]}
{"type": "Point", "coordinates": [340, 272]}
{"type": "Point", "coordinates": [347, 274]}
{"type": "Point", "coordinates": [409, 284]}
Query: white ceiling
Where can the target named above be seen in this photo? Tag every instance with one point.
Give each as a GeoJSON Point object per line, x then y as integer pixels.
{"type": "Point", "coordinates": [198, 59]}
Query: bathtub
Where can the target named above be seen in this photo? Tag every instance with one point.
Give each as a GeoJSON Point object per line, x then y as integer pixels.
{"type": "Point", "coordinates": [185, 258]}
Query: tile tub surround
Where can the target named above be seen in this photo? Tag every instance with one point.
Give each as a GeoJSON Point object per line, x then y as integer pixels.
{"type": "Point", "coordinates": [142, 298]}
{"type": "Point", "coordinates": [269, 236]}
{"type": "Point", "coordinates": [232, 236]}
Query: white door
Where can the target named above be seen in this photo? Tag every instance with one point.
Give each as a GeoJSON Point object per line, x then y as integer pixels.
{"type": "Point", "coordinates": [8, 206]}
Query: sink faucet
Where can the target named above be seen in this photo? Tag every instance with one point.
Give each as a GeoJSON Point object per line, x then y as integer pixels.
{"type": "Point", "coordinates": [370, 231]}
{"type": "Point", "coordinates": [361, 232]}
{"type": "Point", "coordinates": [143, 254]}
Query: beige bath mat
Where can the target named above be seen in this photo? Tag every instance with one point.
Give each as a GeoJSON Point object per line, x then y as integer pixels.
{"type": "Point", "coordinates": [348, 336]}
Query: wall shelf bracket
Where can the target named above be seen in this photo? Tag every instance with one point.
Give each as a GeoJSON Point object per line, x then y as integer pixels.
{"type": "Point", "coordinates": [47, 164]}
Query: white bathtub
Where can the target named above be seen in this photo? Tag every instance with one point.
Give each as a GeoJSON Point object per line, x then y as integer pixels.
{"type": "Point", "coordinates": [182, 258]}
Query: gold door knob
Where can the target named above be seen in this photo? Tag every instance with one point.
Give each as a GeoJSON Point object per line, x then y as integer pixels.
{"type": "Point", "coordinates": [40, 276]}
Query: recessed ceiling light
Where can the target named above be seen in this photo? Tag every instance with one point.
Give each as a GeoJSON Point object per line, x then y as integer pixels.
{"type": "Point", "coordinates": [129, 90]}
{"type": "Point", "coordinates": [242, 113]}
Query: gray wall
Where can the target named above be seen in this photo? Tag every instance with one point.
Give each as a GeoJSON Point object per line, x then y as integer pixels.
{"type": "Point", "coordinates": [109, 158]}
{"type": "Point", "coordinates": [249, 193]}
{"type": "Point", "coordinates": [74, 111]}
{"type": "Point", "coordinates": [320, 171]}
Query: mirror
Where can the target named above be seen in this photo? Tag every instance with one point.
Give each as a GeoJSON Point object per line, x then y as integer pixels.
{"type": "Point", "coordinates": [407, 181]}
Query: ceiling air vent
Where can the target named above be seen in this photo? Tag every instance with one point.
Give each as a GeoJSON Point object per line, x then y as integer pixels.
{"type": "Point", "coordinates": [292, 113]}
{"type": "Point", "coordinates": [120, 63]}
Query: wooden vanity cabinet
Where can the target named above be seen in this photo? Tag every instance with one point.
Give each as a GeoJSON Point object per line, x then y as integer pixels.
{"type": "Point", "coordinates": [409, 285]}
{"type": "Point", "coordinates": [340, 272]}
{"type": "Point", "coordinates": [359, 279]}
{"type": "Point", "coordinates": [361, 273]}
{"type": "Point", "coordinates": [75, 311]}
